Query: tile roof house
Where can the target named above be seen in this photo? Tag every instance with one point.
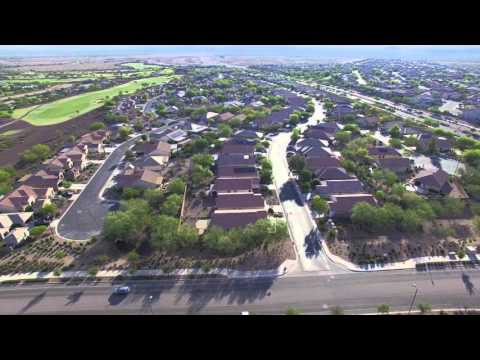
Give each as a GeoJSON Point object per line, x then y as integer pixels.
{"type": "Point", "coordinates": [367, 122]}
{"type": "Point", "coordinates": [318, 163]}
{"type": "Point", "coordinates": [442, 144]}
{"type": "Point", "coordinates": [436, 181]}
{"type": "Point", "coordinates": [235, 160]}
{"type": "Point", "coordinates": [383, 152]}
{"type": "Point", "coordinates": [23, 197]}
{"type": "Point", "coordinates": [341, 206]}
{"type": "Point", "coordinates": [142, 178]}
{"type": "Point", "coordinates": [10, 219]}
{"type": "Point", "coordinates": [337, 187]}
{"type": "Point", "coordinates": [332, 173]}
{"type": "Point", "coordinates": [94, 141]}
{"type": "Point", "coordinates": [248, 134]}
{"type": "Point", "coordinates": [318, 134]}
{"type": "Point", "coordinates": [225, 117]}
{"type": "Point", "coordinates": [238, 146]}
{"type": "Point", "coordinates": [177, 136]}
{"type": "Point", "coordinates": [234, 172]}
{"type": "Point", "coordinates": [16, 236]}
{"type": "Point", "coordinates": [42, 179]}
{"type": "Point", "coordinates": [239, 201]}
{"type": "Point", "coordinates": [229, 220]}
{"type": "Point", "coordinates": [398, 165]}
{"type": "Point", "coordinates": [225, 186]}
{"type": "Point", "coordinates": [275, 118]}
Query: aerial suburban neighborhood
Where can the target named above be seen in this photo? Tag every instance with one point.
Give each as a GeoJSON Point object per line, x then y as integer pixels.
{"type": "Point", "coordinates": [238, 174]}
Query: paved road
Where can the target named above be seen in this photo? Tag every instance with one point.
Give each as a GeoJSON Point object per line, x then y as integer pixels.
{"type": "Point", "coordinates": [86, 216]}
{"type": "Point", "coordinates": [302, 227]}
{"type": "Point", "coordinates": [316, 294]}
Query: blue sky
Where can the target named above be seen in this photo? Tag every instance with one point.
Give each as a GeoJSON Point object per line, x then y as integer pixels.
{"type": "Point", "coordinates": [407, 52]}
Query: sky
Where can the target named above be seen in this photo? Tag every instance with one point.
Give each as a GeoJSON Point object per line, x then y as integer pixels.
{"type": "Point", "coordinates": [405, 52]}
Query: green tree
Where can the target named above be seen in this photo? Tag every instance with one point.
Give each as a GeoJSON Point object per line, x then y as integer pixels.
{"type": "Point", "coordinates": [97, 126]}
{"type": "Point", "coordinates": [164, 233]}
{"type": "Point", "coordinates": [201, 175]}
{"type": "Point", "coordinates": [36, 231]}
{"type": "Point", "coordinates": [131, 193]}
{"type": "Point", "coordinates": [176, 186]}
{"type": "Point", "coordinates": [319, 205]}
{"type": "Point", "coordinates": [343, 137]}
{"type": "Point", "coordinates": [36, 153]}
{"type": "Point", "coordinates": [472, 157]}
{"type": "Point", "coordinates": [364, 216]}
{"type": "Point", "coordinates": [295, 135]}
{"type": "Point", "coordinates": [48, 210]}
{"type": "Point", "coordinates": [395, 132]}
{"type": "Point", "coordinates": [172, 205]}
{"type": "Point", "coordinates": [199, 145]}
{"type": "Point", "coordinates": [396, 143]}
{"type": "Point", "coordinates": [123, 133]}
{"type": "Point", "coordinates": [225, 130]}
{"type": "Point", "coordinates": [154, 197]}
{"type": "Point", "coordinates": [294, 119]}
{"type": "Point", "coordinates": [204, 160]}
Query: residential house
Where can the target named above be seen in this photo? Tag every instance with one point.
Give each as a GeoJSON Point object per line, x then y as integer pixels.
{"type": "Point", "coordinates": [94, 141]}
{"type": "Point", "coordinates": [225, 117]}
{"type": "Point", "coordinates": [237, 172]}
{"type": "Point", "coordinates": [238, 146]}
{"type": "Point", "coordinates": [16, 236]}
{"type": "Point", "coordinates": [316, 164]}
{"type": "Point", "coordinates": [23, 197]}
{"type": "Point", "coordinates": [141, 178]}
{"type": "Point", "coordinates": [442, 144]}
{"type": "Point", "coordinates": [383, 152]}
{"type": "Point", "coordinates": [399, 165]}
{"type": "Point", "coordinates": [338, 187]}
{"type": "Point", "coordinates": [332, 173]}
{"type": "Point", "coordinates": [341, 206]}
{"type": "Point", "coordinates": [229, 220]}
{"type": "Point", "coordinates": [437, 181]}
{"type": "Point", "coordinates": [228, 186]}
{"type": "Point", "coordinates": [235, 160]}
{"type": "Point", "coordinates": [44, 179]}
{"type": "Point", "coordinates": [239, 201]}
{"type": "Point", "coordinates": [178, 136]}
{"type": "Point", "coordinates": [248, 134]}
{"type": "Point", "coordinates": [368, 122]}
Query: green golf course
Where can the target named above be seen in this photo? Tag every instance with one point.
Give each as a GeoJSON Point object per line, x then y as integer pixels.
{"type": "Point", "coordinates": [66, 109]}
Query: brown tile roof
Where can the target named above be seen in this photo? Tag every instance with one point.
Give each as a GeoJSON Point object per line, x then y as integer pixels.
{"type": "Point", "coordinates": [317, 163]}
{"type": "Point", "coordinates": [225, 116]}
{"type": "Point", "coordinates": [234, 185]}
{"type": "Point", "coordinates": [434, 179]}
{"type": "Point", "coordinates": [332, 173]}
{"type": "Point", "coordinates": [237, 172]}
{"type": "Point", "coordinates": [232, 220]}
{"type": "Point", "coordinates": [397, 165]}
{"type": "Point", "coordinates": [239, 201]}
{"type": "Point", "coordinates": [342, 205]}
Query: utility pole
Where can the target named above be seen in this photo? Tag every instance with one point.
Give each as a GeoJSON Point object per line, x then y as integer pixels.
{"type": "Point", "coordinates": [414, 297]}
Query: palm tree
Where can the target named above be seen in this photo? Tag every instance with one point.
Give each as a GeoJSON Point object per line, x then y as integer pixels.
{"type": "Point", "coordinates": [337, 310]}
{"type": "Point", "coordinates": [383, 308]}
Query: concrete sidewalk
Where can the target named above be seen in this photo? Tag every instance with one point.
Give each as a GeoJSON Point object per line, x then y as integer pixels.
{"type": "Point", "coordinates": [284, 269]}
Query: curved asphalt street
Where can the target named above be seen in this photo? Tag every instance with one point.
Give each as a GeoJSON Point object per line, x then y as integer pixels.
{"type": "Point", "coordinates": [356, 293]}
{"type": "Point", "coordinates": [85, 217]}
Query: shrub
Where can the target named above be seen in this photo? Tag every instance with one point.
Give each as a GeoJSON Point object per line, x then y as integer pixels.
{"type": "Point", "coordinates": [92, 271]}
{"type": "Point", "coordinates": [36, 231]}
{"type": "Point", "coordinates": [60, 254]}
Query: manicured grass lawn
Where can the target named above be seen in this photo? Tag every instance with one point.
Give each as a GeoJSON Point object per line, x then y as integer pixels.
{"type": "Point", "coordinates": [10, 132]}
{"type": "Point", "coordinates": [141, 66]}
{"type": "Point", "coordinates": [66, 109]}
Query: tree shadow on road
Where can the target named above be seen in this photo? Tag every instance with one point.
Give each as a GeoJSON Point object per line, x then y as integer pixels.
{"type": "Point", "coordinates": [288, 192]}
{"type": "Point", "coordinates": [468, 284]}
{"type": "Point", "coordinates": [312, 245]}
{"type": "Point", "coordinates": [239, 292]}
{"type": "Point", "coordinates": [74, 297]}
{"type": "Point", "coordinates": [147, 293]}
{"type": "Point", "coordinates": [33, 302]}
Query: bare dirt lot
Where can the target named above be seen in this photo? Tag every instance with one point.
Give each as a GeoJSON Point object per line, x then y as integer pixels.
{"type": "Point", "coordinates": [106, 256]}
{"type": "Point", "coordinates": [438, 239]}
{"type": "Point", "coordinates": [55, 136]}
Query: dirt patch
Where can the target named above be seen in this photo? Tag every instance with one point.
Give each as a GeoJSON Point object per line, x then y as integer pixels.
{"type": "Point", "coordinates": [56, 136]}
{"type": "Point", "coordinates": [438, 239]}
